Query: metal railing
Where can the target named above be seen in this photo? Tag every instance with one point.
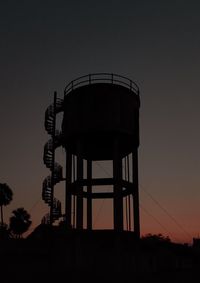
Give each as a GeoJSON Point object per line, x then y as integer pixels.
{"type": "Point", "coordinates": [102, 78]}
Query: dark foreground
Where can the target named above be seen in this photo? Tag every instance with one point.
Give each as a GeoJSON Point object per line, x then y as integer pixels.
{"type": "Point", "coordinates": [96, 256]}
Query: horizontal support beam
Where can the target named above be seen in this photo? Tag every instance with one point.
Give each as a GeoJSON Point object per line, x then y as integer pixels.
{"type": "Point", "coordinates": [98, 182]}
{"type": "Point", "coordinates": [127, 188]}
{"type": "Point", "coordinates": [101, 195]}
{"type": "Point", "coordinates": [94, 182]}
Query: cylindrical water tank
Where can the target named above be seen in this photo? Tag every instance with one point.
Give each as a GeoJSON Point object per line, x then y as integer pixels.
{"type": "Point", "coordinates": [96, 113]}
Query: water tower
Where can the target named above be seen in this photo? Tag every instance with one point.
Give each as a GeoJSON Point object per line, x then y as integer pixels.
{"type": "Point", "coordinates": [100, 123]}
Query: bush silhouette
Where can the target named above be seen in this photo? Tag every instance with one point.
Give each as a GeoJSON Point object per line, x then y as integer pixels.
{"type": "Point", "coordinates": [19, 222]}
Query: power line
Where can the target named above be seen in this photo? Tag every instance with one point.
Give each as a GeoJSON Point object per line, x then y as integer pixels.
{"type": "Point", "coordinates": [98, 212]}
{"type": "Point", "coordinates": [166, 212]}
{"type": "Point", "coordinates": [34, 205]}
{"type": "Point", "coordinates": [102, 202]}
{"type": "Point", "coordinates": [157, 203]}
{"type": "Point", "coordinates": [156, 220]}
{"type": "Point", "coordinates": [102, 168]}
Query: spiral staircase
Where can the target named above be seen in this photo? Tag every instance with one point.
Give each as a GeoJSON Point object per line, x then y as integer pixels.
{"type": "Point", "coordinates": [56, 174]}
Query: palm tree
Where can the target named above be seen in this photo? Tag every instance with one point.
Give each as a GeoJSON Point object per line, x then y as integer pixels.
{"type": "Point", "coordinates": [6, 195]}
{"type": "Point", "coordinates": [19, 222]}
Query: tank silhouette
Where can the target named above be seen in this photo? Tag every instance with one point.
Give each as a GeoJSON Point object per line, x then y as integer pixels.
{"type": "Point", "coordinates": [100, 122]}
{"type": "Point", "coordinates": [97, 114]}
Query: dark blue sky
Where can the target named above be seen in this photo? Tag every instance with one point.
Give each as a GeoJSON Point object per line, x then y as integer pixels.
{"type": "Point", "coordinates": [46, 44]}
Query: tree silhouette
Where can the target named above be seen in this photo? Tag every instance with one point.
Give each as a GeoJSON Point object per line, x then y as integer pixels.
{"type": "Point", "coordinates": [6, 195]}
{"type": "Point", "coordinates": [19, 222]}
{"type": "Point", "coordinates": [4, 232]}
{"type": "Point", "coordinates": [156, 239]}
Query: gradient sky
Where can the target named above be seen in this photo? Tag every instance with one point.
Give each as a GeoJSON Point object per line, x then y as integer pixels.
{"type": "Point", "coordinates": [46, 44]}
